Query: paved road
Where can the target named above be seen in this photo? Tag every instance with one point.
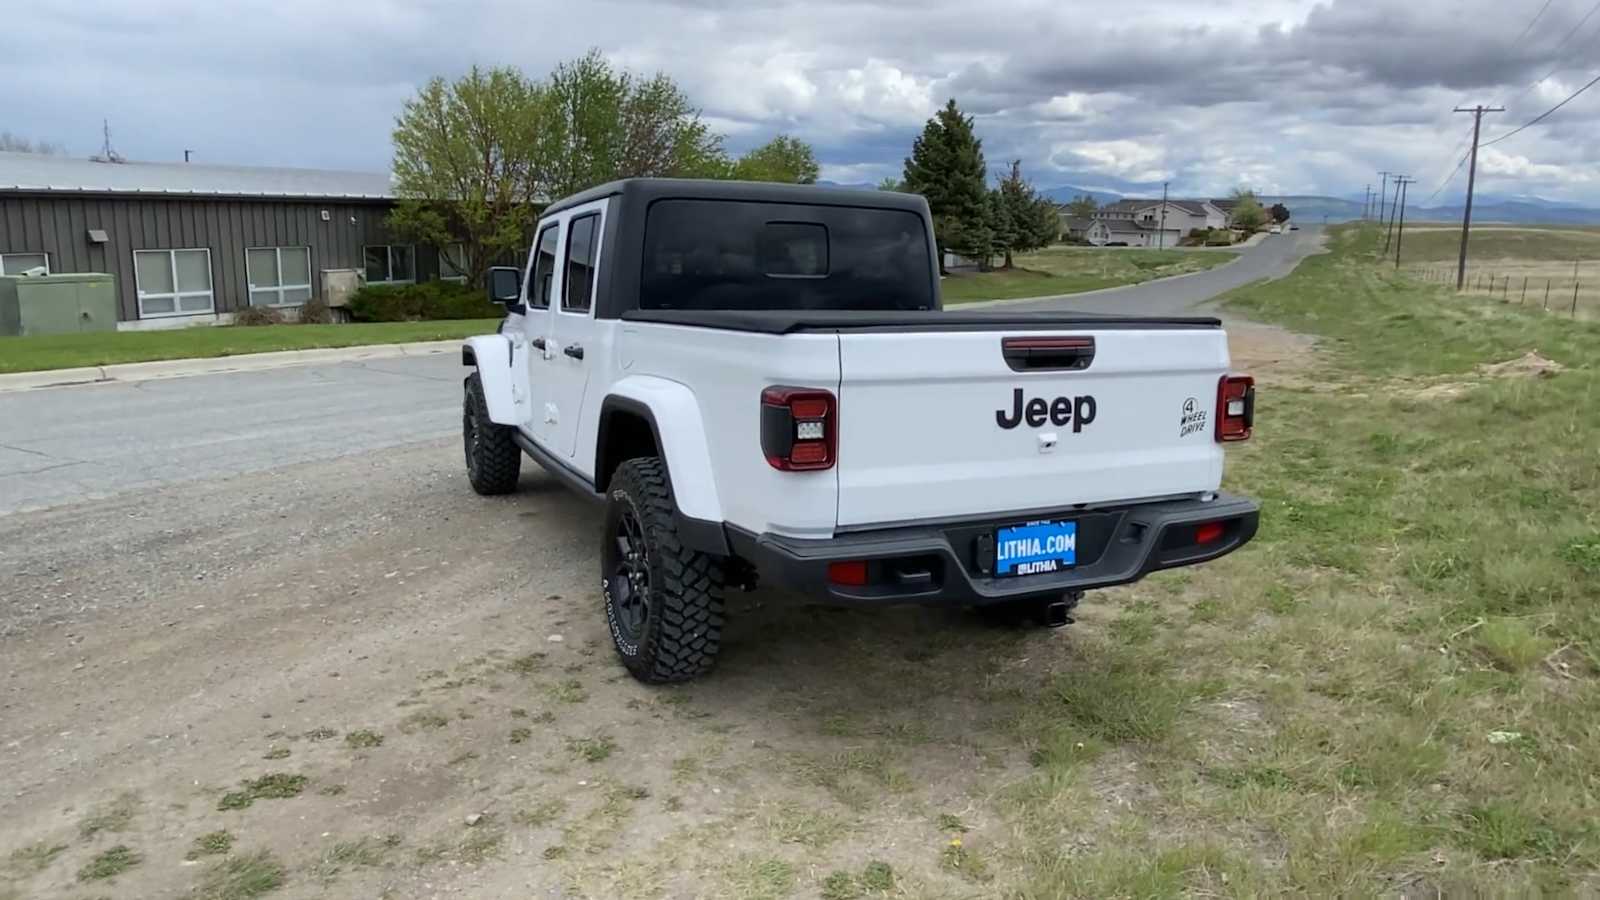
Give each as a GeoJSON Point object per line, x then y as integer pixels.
{"type": "Point", "coordinates": [68, 444]}
{"type": "Point", "coordinates": [1274, 257]}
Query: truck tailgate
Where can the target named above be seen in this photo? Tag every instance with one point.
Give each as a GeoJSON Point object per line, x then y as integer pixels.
{"type": "Point", "coordinates": [932, 424]}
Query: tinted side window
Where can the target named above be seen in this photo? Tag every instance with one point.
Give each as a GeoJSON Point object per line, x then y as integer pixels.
{"type": "Point", "coordinates": [544, 267]}
{"type": "Point", "coordinates": [581, 246]}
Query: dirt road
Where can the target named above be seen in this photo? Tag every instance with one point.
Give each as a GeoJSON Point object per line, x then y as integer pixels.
{"type": "Point", "coordinates": [355, 678]}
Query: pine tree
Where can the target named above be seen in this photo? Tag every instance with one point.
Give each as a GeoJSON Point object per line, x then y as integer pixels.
{"type": "Point", "coordinates": [1029, 220]}
{"type": "Point", "coordinates": [946, 167]}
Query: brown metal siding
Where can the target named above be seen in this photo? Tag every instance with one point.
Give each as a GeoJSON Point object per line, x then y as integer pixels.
{"type": "Point", "coordinates": [58, 225]}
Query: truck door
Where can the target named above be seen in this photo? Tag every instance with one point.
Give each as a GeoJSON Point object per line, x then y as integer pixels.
{"type": "Point", "coordinates": [575, 347]}
{"type": "Point", "coordinates": [541, 287]}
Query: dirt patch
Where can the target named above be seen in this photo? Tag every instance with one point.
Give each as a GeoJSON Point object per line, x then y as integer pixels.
{"type": "Point", "coordinates": [1275, 356]}
{"type": "Point", "coordinates": [1528, 365]}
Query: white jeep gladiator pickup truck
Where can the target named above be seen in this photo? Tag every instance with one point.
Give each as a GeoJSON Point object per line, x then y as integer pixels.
{"type": "Point", "coordinates": [757, 381]}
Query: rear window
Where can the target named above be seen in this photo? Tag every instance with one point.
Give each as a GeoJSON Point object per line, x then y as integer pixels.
{"type": "Point", "coordinates": [722, 254]}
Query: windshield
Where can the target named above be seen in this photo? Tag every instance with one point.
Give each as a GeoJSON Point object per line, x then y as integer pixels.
{"type": "Point", "coordinates": [721, 254]}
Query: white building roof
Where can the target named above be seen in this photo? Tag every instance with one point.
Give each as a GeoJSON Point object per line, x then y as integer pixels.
{"type": "Point", "coordinates": [38, 172]}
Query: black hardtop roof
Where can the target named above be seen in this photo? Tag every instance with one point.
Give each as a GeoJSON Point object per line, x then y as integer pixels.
{"type": "Point", "coordinates": [790, 321]}
{"type": "Point", "coordinates": [649, 189]}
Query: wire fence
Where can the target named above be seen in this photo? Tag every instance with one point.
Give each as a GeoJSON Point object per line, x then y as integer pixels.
{"type": "Point", "coordinates": [1535, 284]}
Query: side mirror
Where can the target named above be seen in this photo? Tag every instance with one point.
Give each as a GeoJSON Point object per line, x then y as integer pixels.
{"type": "Point", "coordinates": [505, 285]}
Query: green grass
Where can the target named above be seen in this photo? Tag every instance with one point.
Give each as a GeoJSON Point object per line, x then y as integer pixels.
{"type": "Point", "coordinates": [36, 857]}
{"type": "Point", "coordinates": [1313, 715]}
{"type": "Point", "coordinates": [110, 863]}
{"type": "Point", "coordinates": [363, 739]}
{"type": "Point", "coordinates": [213, 843]}
{"type": "Point", "coordinates": [276, 786]}
{"type": "Point", "coordinates": [114, 815]}
{"type": "Point", "coordinates": [27, 354]}
{"type": "Point", "coordinates": [1072, 270]}
{"type": "Point", "coordinates": [242, 877]}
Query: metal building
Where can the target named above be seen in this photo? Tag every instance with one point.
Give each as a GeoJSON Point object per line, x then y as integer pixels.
{"type": "Point", "coordinates": [191, 244]}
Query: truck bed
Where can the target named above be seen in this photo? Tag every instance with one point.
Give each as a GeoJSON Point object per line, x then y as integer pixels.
{"type": "Point", "coordinates": [788, 321]}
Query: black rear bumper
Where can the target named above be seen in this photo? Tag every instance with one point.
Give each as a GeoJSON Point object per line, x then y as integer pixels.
{"type": "Point", "coordinates": [951, 563]}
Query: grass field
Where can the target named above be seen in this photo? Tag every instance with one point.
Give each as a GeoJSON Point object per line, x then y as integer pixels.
{"type": "Point", "coordinates": [1072, 270]}
{"type": "Point", "coordinates": [1555, 268]}
{"type": "Point", "coordinates": [27, 354]}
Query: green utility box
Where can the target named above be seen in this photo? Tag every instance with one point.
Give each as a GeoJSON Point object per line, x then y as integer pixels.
{"type": "Point", "coordinates": [58, 304]}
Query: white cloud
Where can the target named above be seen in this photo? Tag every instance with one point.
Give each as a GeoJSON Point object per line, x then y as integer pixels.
{"type": "Point", "coordinates": [1129, 160]}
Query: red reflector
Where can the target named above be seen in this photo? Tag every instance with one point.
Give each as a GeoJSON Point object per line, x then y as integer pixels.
{"type": "Point", "coordinates": [809, 453]}
{"type": "Point", "coordinates": [853, 572]}
{"type": "Point", "coordinates": [1209, 533]}
{"type": "Point", "coordinates": [808, 407]}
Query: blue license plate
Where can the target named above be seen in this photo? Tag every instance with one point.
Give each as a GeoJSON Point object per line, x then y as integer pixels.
{"type": "Point", "coordinates": [1036, 548]}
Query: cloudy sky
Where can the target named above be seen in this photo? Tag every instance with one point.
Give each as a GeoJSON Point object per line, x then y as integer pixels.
{"type": "Point", "coordinates": [1285, 96]}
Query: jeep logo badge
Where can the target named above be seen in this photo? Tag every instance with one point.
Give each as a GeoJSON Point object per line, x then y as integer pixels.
{"type": "Point", "coordinates": [1062, 411]}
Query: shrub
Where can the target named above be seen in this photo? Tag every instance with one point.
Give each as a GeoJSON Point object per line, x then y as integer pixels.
{"type": "Point", "coordinates": [415, 302]}
{"type": "Point", "coordinates": [315, 312]}
{"type": "Point", "coordinates": [257, 315]}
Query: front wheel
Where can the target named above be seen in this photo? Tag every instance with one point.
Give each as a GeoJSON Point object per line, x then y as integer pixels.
{"type": "Point", "coordinates": [663, 600]}
{"type": "Point", "coordinates": [493, 459]}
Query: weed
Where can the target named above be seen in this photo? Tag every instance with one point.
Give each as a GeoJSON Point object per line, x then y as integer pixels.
{"type": "Point", "coordinates": [212, 843]}
{"type": "Point", "coordinates": [115, 815]}
{"type": "Point", "coordinates": [420, 720]}
{"type": "Point", "coordinates": [35, 857]}
{"type": "Point", "coordinates": [321, 734]}
{"type": "Point", "coordinates": [948, 822]}
{"type": "Point", "coordinates": [363, 739]}
{"type": "Point", "coordinates": [1510, 645]}
{"type": "Point", "coordinates": [591, 749]}
{"type": "Point", "coordinates": [360, 853]}
{"type": "Point", "coordinates": [518, 735]}
{"type": "Point", "coordinates": [480, 844]}
{"type": "Point", "coordinates": [760, 878]}
{"type": "Point", "coordinates": [570, 690]}
{"type": "Point", "coordinates": [242, 877]}
{"type": "Point", "coordinates": [959, 858]}
{"type": "Point", "coordinates": [877, 876]}
{"type": "Point", "coordinates": [539, 814]}
{"type": "Point", "coordinates": [110, 863]}
{"type": "Point", "coordinates": [543, 717]}
{"type": "Point", "coordinates": [276, 753]}
{"type": "Point", "coordinates": [276, 786]}
{"type": "Point", "coordinates": [840, 886]}
{"type": "Point", "coordinates": [554, 851]}
{"type": "Point", "coordinates": [519, 713]}
{"type": "Point", "coordinates": [331, 790]}
{"type": "Point", "coordinates": [466, 757]}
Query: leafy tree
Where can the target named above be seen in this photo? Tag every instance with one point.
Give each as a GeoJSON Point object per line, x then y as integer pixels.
{"type": "Point", "coordinates": [610, 124]}
{"type": "Point", "coordinates": [946, 167]}
{"type": "Point", "coordinates": [891, 184]}
{"type": "Point", "coordinates": [467, 163]}
{"type": "Point", "coordinates": [784, 158]}
{"type": "Point", "coordinates": [16, 143]}
{"type": "Point", "coordinates": [1247, 211]}
{"type": "Point", "coordinates": [1025, 221]}
{"type": "Point", "coordinates": [1082, 207]}
{"type": "Point", "coordinates": [1279, 213]}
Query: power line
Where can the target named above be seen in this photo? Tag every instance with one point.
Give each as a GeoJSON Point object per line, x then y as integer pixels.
{"type": "Point", "coordinates": [1556, 53]}
{"type": "Point", "coordinates": [1532, 21]}
{"type": "Point", "coordinates": [1459, 163]}
{"type": "Point", "coordinates": [1542, 116]}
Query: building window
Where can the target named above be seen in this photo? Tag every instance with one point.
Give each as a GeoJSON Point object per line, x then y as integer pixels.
{"type": "Point", "coordinates": [17, 263]}
{"type": "Point", "coordinates": [278, 276]}
{"type": "Point", "coordinates": [173, 282]}
{"type": "Point", "coordinates": [391, 263]}
{"type": "Point", "coordinates": [453, 262]}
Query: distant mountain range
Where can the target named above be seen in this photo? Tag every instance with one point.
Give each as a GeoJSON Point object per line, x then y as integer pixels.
{"type": "Point", "coordinates": [1521, 209]}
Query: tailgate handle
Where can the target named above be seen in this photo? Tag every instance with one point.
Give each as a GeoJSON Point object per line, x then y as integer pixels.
{"type": "Point", "coordinates": [1024, 354]}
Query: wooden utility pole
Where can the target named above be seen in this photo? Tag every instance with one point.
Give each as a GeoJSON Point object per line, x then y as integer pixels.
{"type": "Point", "coordinates": [1472, 178]}
{"type": "Point", "coordinates": [1161, 229]}
{"type": "Point", "coordinates": [1394, 208]}
{"type": "Point", "coordinates": [1383, 193]}
{"type": "Point", "coordinates": [1402, 181]}
{"type": "Point", "coordinates": [1366, 204]}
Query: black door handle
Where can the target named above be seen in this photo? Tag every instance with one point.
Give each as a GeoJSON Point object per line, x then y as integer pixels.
{"type": "Point", "coordinates": [573, 350]}
{"type": "Point", "coordinates": [538, 343]}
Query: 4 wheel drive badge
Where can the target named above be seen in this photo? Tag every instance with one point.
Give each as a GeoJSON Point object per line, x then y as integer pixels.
{"type": "Point", "coordinates": [1193, 420]}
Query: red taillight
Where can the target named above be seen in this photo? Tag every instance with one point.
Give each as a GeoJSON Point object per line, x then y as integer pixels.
{"type": "Point", "coordinates": [799, 428]}
{"type": "Point", "coordinates": [1236, 407]}
{"type": "Point", "coordinates": [853, 572]}
{"type": "Point", "coordinates": [1209, 533]}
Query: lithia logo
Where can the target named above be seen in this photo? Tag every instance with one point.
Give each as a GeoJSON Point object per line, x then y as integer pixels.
{"type": "Point", "coordinates": [1194, 418]}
